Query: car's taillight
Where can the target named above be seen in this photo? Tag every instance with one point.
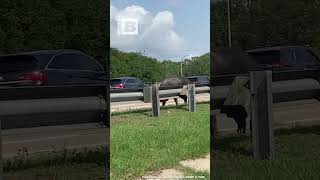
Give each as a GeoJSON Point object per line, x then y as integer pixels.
{"type": "Point", "coordinates": [279, 65]}
{"type": "Point", "coordinates": [120, 86]}
{"type": "Point", "coordinates": [36, 77]}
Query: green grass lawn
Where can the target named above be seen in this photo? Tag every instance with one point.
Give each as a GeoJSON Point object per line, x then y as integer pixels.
{"type": "Point", "coordinates": [72, 171]}
{"type": "Point", "coordinates": [141, 143]}
{"type": "Point", "coordinates": [297, 157]}
{"type": "Point", "coordinates": [63, 164]}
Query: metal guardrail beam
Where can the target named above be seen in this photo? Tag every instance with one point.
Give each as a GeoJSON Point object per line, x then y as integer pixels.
{"type": "Point", "coordinates": [40, 106]}
{"type": "Point", "coordinates": [131, 96]}
{"type": "Point", "coordinates": [282, 91]}
{"type": "Point", "coordinates": [203, 89]}
{"type": "Point", "coordinates": [276, 76]}
{"type": "Point", "coordinates": [168, 93]}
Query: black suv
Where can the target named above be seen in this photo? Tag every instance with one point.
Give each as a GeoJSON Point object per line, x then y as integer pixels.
{"type": "Point", "coordinates": [200, 80]}
{"type": "Point", "coordinates": [50, 67]}
{"type": "Point", "coordinates": [285, 57]}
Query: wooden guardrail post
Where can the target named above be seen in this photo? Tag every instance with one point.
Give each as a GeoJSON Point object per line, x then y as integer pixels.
{"type": "Point", "coordinates": [155, 101]}
{"type": "Point", "coordinates": [192, 97]}
{"type": "Point", "coordinates": [147, 94]}
{"type": "Point", "coordinates": [261, 114]}
{"type": "Point", "coordinates": [108, 105]}
{"type": "Point", "coordinates": [109, 113]}
{"type": "Point", "coordinates": [213, 119]}
{"type": "Point", "coordinates": [1, 161]}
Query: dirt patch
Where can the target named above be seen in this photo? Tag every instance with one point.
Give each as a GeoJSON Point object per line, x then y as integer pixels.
{"type": "Point", "coordinates": [201, 164]}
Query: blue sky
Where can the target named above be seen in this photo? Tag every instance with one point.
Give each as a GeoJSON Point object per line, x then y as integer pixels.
{"type": "Point", "coordinates": [191, 24]}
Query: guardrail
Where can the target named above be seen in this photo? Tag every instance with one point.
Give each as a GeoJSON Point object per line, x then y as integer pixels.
{"type": "Point", "coordinates": [267, 88]}
{"type": "Point", "coordinates": [290, 85]}
{"type": "Point", "coordinates": [33, 106]}
{"type": "Point", "coordinates": [153, 94]}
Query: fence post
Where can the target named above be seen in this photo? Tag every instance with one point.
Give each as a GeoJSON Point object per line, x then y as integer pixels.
{"type": "Point", "coordinates": [213, 120]}
{"type": "Point", "coordinates": [261, 114]}
{"type": "Point", "coordinates": [1, 161]}
{"type": "Point", "coordinates": [109, 111]}
{"type": "Point", "coordinates": [191, 97]}
{"type": "Point", "coordinates": [155, 101]}
{"type": "Point", "coordinates": [147, 94]}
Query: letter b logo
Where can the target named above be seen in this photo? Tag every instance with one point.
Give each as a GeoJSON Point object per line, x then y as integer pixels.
{"type": "Point", "coordinates": [128, 27]}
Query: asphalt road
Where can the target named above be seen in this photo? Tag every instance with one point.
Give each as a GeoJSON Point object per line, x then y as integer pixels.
{"type": "Point", "coordinates": [43, 139]}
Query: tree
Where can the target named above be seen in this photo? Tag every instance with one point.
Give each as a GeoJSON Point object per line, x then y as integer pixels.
{"type": "Point", "coordinates": [151, 70]}
{"type": "Point", "coordinates": [55, 24]}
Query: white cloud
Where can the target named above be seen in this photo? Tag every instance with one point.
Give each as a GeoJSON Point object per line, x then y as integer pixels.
{"type": "Point", "coordinates": [156, 36]}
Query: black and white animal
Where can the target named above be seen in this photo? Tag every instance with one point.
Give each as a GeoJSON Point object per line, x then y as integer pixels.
{"type": "Point", "coordinates": [175, 81]}
{"type": "Point", "coordinates": [238, 113]}
{"type": "Point", "coordinates": [232, 61]}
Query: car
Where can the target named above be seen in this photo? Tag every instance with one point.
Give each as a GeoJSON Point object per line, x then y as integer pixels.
{"type": "Point", "coordinates": [127, 83]}
{"type": "Point", "coordinates": [50, 68]}
{"type": "Point", "coordinates": [201, 80]}
{"type": "Point", "coordinates": [285, 57]}
{"type": "Point", "coordinates": [230, 62]}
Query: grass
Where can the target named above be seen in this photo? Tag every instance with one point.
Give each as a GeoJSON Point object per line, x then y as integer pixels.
{"type": "Point", "coordinates": [297, 157]}
{"type": "Point", "coordinates": [141, 143]}
{"type": "Point", "coordinates": [62, 164]}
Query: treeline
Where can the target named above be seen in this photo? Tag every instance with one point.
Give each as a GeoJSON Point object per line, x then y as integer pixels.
{"type": "Point", "coordinates": [150, 70]}
{"type": "Point", "coordinates": [55, 24]}
{"type": "Point", "coordinates": [260, 23]}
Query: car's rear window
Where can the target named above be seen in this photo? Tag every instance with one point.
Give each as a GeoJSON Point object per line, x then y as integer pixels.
{"type": "Point", "coordinates": [266, 57]}
{"type": "Point", "coordinates": [193, 79]}
{"type": "Point", "coordinates": [306, 57]}
{"type": "Point", "coordinates": [18, 63]}
{"type": "Point", "coordinates": [115, 82]}
{"type": "Point", "coordinates": [205, 79]}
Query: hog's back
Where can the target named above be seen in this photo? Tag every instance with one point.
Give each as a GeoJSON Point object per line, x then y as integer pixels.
{"type": "Point", "coordinates": [174, 81]}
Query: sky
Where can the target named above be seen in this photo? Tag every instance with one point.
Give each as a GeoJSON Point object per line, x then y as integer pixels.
{"type": "Point", "coordinates": [167, 30]}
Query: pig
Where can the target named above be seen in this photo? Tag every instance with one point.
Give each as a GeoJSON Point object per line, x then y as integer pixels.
{"type": "Point", "coordinates": [237, 103]}
{"type": "Point", "coordinates": [233, 62]}
{"type": "Point", "coordinates": [176, 81]}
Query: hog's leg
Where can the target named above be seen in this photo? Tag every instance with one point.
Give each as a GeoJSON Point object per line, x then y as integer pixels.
{"type": "Point", "coordinates": [185, 98]}
{"type": "Point", "coordinates": [164, 101]}
{"type": "Point", "coordinates": [176, 101]}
